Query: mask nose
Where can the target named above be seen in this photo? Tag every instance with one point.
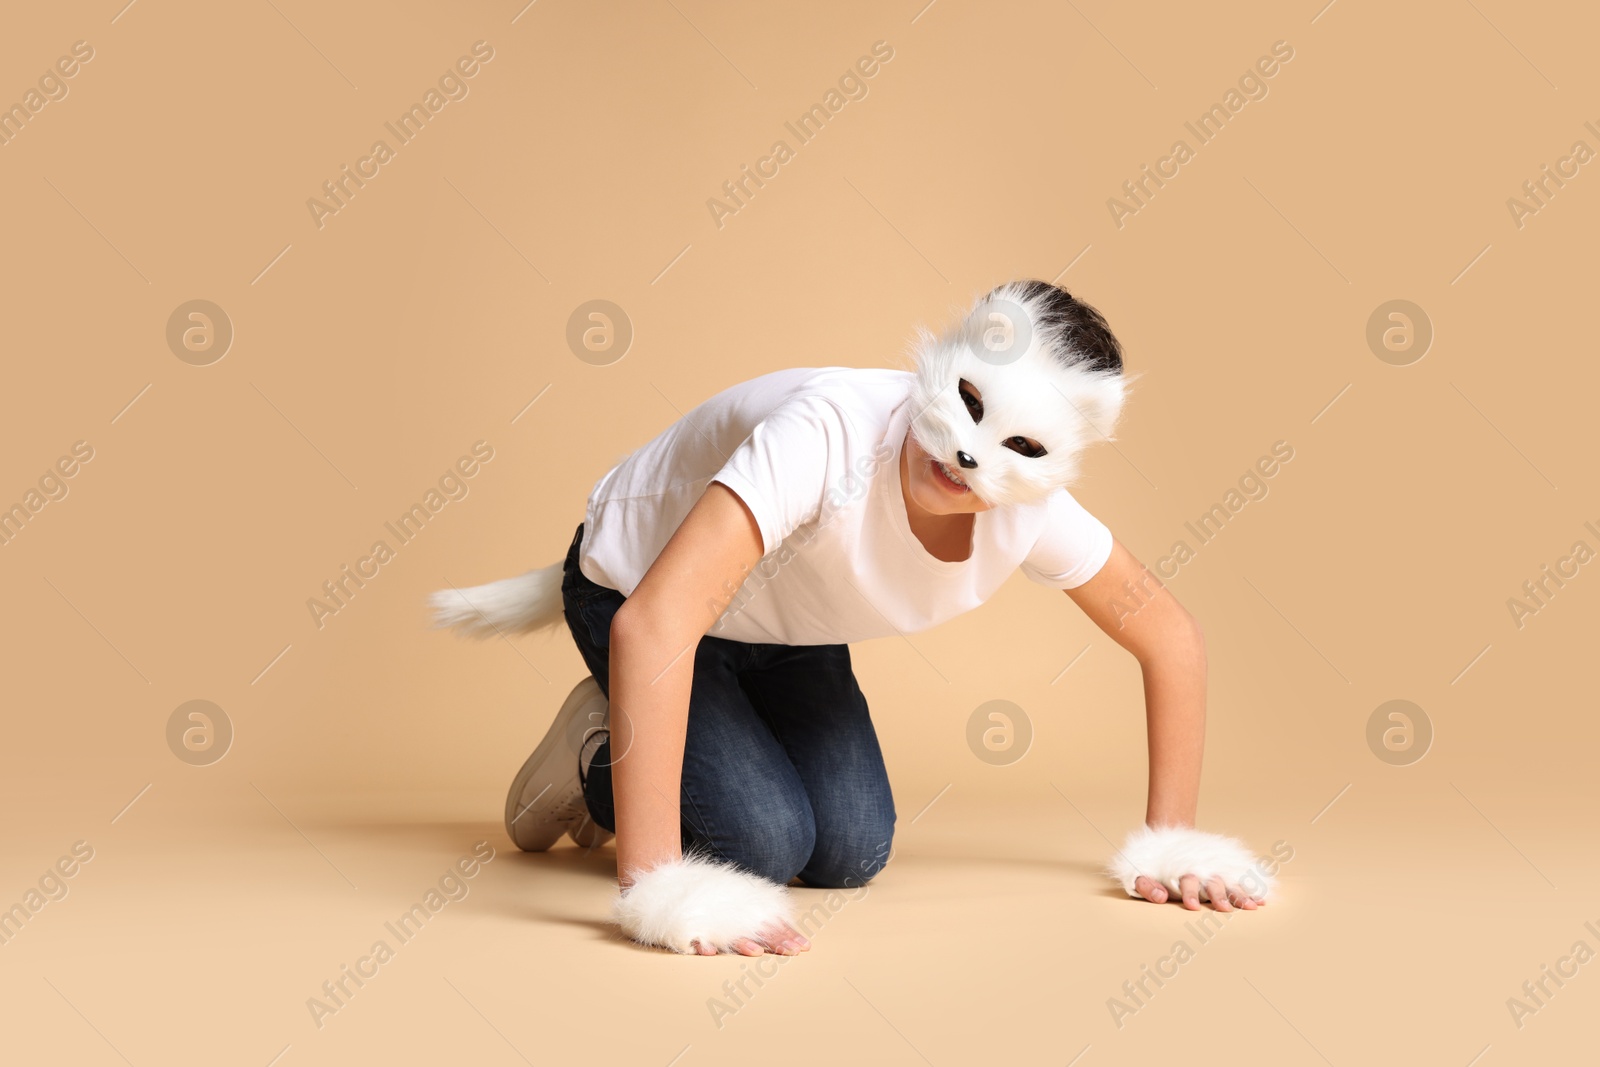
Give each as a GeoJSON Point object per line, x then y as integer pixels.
{"type": "Point", "coordinates": [966, 460]}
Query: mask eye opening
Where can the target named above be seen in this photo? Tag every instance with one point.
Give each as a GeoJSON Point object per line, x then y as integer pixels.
{"type": "Point", "coordinates": [974, 403]}
{"type": "Point", "coordinates": [1023, 446]}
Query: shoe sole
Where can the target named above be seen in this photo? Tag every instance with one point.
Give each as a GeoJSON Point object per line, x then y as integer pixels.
{"type": "Point", "coordinates": [548, 777]}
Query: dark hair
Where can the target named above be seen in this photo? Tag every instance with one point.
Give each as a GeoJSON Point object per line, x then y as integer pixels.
{"type": "Point", "coordinates": [1076, 332]}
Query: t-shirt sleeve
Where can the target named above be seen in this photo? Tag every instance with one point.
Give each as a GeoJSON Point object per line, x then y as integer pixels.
{"type": "Point", "coordinates": [781, 471]}
{"type": "Point", "coordinates": [1072, 547]}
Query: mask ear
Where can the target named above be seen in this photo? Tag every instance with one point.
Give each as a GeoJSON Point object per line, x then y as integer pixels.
{"type": "Point", "coordinates": [1098, 399]}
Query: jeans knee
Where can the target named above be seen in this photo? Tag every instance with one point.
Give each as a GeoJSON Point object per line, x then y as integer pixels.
{"type": "Point", "coordinates": [851, 858]}
{"type": "Point", "coordinates": [776, 846]}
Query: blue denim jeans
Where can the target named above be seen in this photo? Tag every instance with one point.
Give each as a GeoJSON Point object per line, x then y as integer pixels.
{"type": "Point", "coordinates": [782, 773]}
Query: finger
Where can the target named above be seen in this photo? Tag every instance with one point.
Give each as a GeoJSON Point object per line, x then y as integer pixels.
{"type": "Point", "coordinates": [781, 938]}
{"type": "Point", "coordinates": [1218, 894]}
{"type": "Point", "coordinates": [772, 939]}
{"type": "Point", "coordinates": [799, 939]}
{"type": "Point", "coordinates": [1150, 889]}
{"type": "Point", "coordinates": [784, 932]}
{"type": "Point", "coordinates": [1240, 899]}
{"type": "Point", "coordinates": [702, 949]}
{"type": "Point", "coordinates": [746, 947]}
{"type": "Point", "coordinates": [1189, 886]}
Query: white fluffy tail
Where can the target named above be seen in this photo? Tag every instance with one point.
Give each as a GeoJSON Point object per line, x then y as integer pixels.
{"type": "Point", "coordinates": [527, 602]}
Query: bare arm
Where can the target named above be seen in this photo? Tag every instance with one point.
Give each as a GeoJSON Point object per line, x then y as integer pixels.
{"type": "Point", "coordinates": [653, 640]}
{"type": "Point", "coordinates": [1136, 611]}
{"type": "Point", "coordinates": [1167, 642]}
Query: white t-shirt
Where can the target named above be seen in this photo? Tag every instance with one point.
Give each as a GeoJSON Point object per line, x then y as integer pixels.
{"type": "Point", "coordinates": [815, 455]}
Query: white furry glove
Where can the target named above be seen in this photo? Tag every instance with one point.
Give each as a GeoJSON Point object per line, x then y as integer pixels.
{"type": "Point", "coordinates": [1167, 854]}
{"type": "Point", "coordinates": [696, 899]}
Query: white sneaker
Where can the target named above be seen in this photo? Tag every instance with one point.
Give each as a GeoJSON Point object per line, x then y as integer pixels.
{"type": "Point", "coordinates": [546, 797]}
{"type": "Point", "coordinates": [586, 833]}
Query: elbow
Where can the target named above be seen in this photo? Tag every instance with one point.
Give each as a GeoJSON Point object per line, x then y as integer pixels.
{"type": "Point", "coordinates": [629, 623]}
{"type": "Point", "coordinates": [1195, 640]}
{"type": "Point", "coordinates": [1180, 641]}
{"type": "Point", "coordinates": [1197, 635]}
{"type": "Point", "coordinates": [638, 625]}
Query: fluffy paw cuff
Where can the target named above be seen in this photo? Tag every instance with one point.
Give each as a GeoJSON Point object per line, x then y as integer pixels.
{"type": "Point", "coordinates": [698, 899]}
{"type": "Point", "coordinates": [1169, 853]}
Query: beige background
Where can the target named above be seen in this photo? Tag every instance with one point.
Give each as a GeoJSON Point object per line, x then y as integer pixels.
{"type": "Point", "coordinates": [369, 354]}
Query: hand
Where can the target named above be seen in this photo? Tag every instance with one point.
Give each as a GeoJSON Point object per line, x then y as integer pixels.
{"type": "Point", "coordinates": [701, 906]}
{"type": "Point", "coordinates": [1157, 862]}
{"type": "Point", "coordinates": [1223, 897]}
{"type": "Point", "coordinates": [780, 938]}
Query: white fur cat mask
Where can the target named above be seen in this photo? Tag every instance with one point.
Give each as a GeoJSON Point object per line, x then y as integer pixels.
{"type": "Point", "coordinates": [1044, 366]}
